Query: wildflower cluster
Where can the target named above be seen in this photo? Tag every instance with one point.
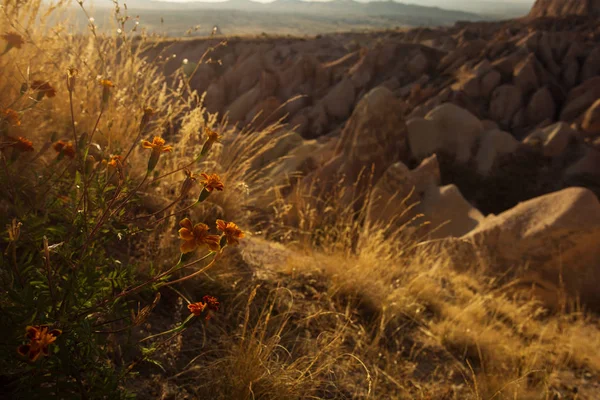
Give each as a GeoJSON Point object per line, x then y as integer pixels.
{"type": "Point", "coordinates": [208, 303]}
{"type": "Point", "coordinates": [72, 269]}
{"type": "Point", "coordinates": [40, 338]}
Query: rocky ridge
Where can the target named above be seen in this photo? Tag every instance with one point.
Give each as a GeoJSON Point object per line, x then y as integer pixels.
{"type": "Point", "coordinates": [559, 8]}
{"type": "Point", "coordinates": [487, 126]}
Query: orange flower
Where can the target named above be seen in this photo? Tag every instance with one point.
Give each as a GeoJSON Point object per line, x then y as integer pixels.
{"type": "Point", "coordinates": [40, 338]}
{"type": "Point", "coordinates": [72, 73]}
{"type": "Point", "coordinates": [66, 148]}
{"type": "Point", "coordinates": [158, 146]}
{"type": "Point", "coordinates": [11, 116]}
{"type": "Point", "coordinates": [208, 303]}
{"type": "Point", "coordinates": [231, 231]}
{"type": "Point", "coordinates": [13, 39]}
{"type": "Point", "coordinates": [106, 85]}
{"type": "Point", "coordinates": [22, 144]}
{"type": "Point", "coordinates": [115, 161]}
{"type": "Point", "coordinates": [196, 236]}
{"type": "Point", "coordinates": [211, 302]}
{"type": "Point", "coordinates": [212, 182]}
{"type": "Point", "coordinates": [211, 138]}
{"type": "Point", "coordinates": [197, 308]}
{"type": "Point", "coordinates": [43, 89]}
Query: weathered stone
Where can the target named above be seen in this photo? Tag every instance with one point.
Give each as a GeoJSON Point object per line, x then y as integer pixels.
{"type": "Point", "coordinates": [541, 107]}
{"type": "Point", "coordinates": [375, 134]}
{"type": "Point", "coordinates": [418, 64]}
{"type": "Point", "coordinates": [580, 99]}
{"type": "Point", "coordinates": [340, 99]}
{"type": "Point", "coordinates": [447, 212]}
{"type": "Point", "coordinates": [588, 165]}
{"type": "Point", "coordinates": [398, 190]}
{"type": "Point", "coordinates": [525, 76]}
{"type": "Point", "coordinates": [447, 128]}
{"type": "Point", "coordinates": [489, 82]}
{"type": "Point", "coordinates": [553, 139]}
{"type": "Point", "coordinates": [570, 73]}
{"type": "Point", "coordinates": [591, 120]}
{"type": "Point", "coordinates": [591, 67]}
{"type": "Point", "coordinates": [243, 104]}
{"type": "Point", "coordinates": [554, 236]}
{"type": "Point", "coordinates": [506, 101]}
{"type": "Point", "coordinates": [493, 144]}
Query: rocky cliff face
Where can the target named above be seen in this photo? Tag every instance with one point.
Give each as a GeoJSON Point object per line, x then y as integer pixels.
{"type": "Point", "coordinates": [557, 8]}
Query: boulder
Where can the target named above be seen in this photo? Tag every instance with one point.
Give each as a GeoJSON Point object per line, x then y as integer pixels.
{"type": "Point", "coordinates": [447, 213]}
{"type": "Point", "coordinates": [375, 134]}
{"type": "Point", "coordinates": [493, 144]}
{"type": "Point", "coordinates": [418, 64]}
{"type": "Point", "coordinates": [276, 145]}
{"type": "Point", "coordinates": [546, 53]}
{"type": "Point", "coordinates": [506, 101]}
{"type": "Point", "coordinates": [591, 120]}
{"type": "Point", "coordinates": [489, 125]}
{"type": "Point", "coordinates": [506, 65]}
{"type": "Point", "coordinates": [339, 101]}
{"type": "Point", "coordinates": [319, 121]}
{"type": "Point", "coordinates": [489, 82]}
{"type": "Point", "coordinates": [552, 139]}
{"type": "Point", "coordinates": [554, 238]}
{"type": "Point", "coordinates": [519, 119]}
{"type": "Point", "coordinates": [470, 85]}
{"type": "Point", "coordinates": [398, 190]}
{"type": "Point", "coordinates": [215, 98]}
{"type": "Point", "coordinates": [570, 73]}
{"type": "Point", "coordinates": [243, 76]}
{"type": "Point", "coordinates": [587, 166]}
{"type": "Point", "coordinates": [447, 128]}
{"type": "Point", "coordinates": [541, 107]}
{"type": "Point", "coordinates": [580, 99]}
{"type": "Point", "coordinates": [266, 111]}
{"type": "Point", "coordinates": [244, 104]}
{"type": "Point", "coordinates": [363, 71]}
{"type": "Point", "coordinates": [591, 66]}
{"type": "Point", "coordinates": [427, 174]}
{"type": "Point", "coordinates": [525, 76]}
{"type": "Point", "coordinates": [391, 197]}
{"type": "Point", "coordinates": [482, 68]}
{"type": "Point", "coordinates": [280, 173]}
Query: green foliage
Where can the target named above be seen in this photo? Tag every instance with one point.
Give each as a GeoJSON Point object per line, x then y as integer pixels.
{"type": "Point", "coordinates": [74, 281]}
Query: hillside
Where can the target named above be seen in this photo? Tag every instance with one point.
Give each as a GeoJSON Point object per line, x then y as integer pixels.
{"type": "Point", "coordinates": [381, 214]}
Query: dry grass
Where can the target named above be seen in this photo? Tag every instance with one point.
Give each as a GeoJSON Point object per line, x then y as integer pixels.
{"type": "Point", "coordinates": [341, 310]}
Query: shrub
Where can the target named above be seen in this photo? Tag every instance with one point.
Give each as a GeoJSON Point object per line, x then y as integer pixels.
{"type": "Point", "coordinates": [84, 128]}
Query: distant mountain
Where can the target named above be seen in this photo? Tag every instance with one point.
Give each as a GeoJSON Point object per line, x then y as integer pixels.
{"type": "Point", "coordinates": [501, 9]}
{"type": "Point", "coordinates": [329, 8]}
{"type": "Point", "coordinates": [295, 17]}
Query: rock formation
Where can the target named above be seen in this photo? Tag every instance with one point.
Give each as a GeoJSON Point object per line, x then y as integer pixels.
{"type": "Point", "coordinates": [453, 123]}
{"type": "Point", "coordinates": [561, 8]}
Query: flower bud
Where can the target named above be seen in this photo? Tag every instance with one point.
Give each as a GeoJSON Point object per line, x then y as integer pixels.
{"type": "Point", "coordinates": [72, 73]}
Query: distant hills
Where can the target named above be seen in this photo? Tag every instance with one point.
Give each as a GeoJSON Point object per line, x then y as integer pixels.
{"type": "Point", "coordinates": [338, 7]}
{"type": "Point", "coordinates": [295, 17]}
